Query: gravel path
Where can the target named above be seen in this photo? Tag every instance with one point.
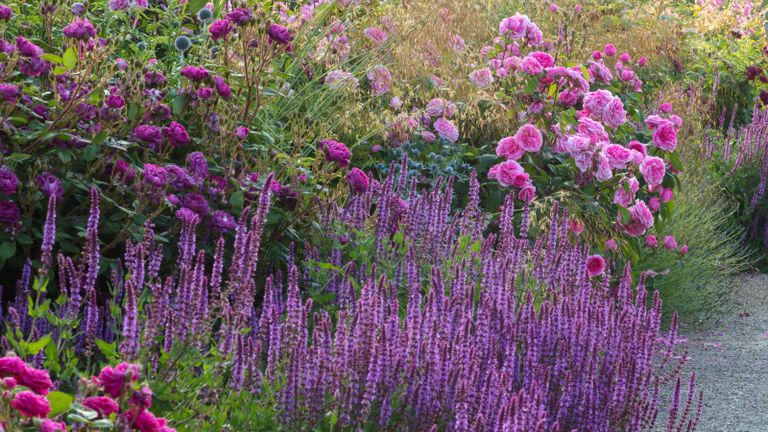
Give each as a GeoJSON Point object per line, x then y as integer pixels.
{"type": "Point", "coordinates": [731, 361]}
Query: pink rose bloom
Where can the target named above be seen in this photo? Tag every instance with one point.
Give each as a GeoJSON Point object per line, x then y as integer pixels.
{"type": "Point", "coordinates": [639, 147]}
{"type": "Point", "coordinates": [618, 156]}
{"type": "Point", "coordinates": [597, 55]}
{"type": "Point", "coordinates": [532, 66]}
{"type": "Point", "coordinates": [609, 50]}
{"type": "Point", "coordinates": [653, 170]}
{"type": "Point", "coordinates": [595, 265]}
{"type": "Point", "coordinates": [553, 7]}
{"type": "Point", "coordinates": [614, 114]}
{"type": "Point", "coordinates": [514, 27]}
{"type": "Point", "coordinates": [641, 219]}
{"type": "Point", "coordinates": [510, 148]}
{"type": "Point", "coordinates": [653, 121]}
{"type": "Point", "coordinates": [115, 379]}
{"type": "Point", "coordinates": [544, 59]}
{"type": "Point", "coordinates": [670, 243]}
{"type": "Point", "coordinates": [651, 241]}
{"type": "Point", "coordinates": [102, 404]}
{"type": "Point", "coordinates": [428, 136]}
{"type": "Point", "coordinates": [684, 249]}
{"type": "Point", "coordinates": [36, 380]}
{"type": "Point", "coordinates": [577, 8]}
{"type": "Point", "coordinates": [676, 120]}
{"type": "Point", "coordinates": [625, 194]}
{"type": "Point", "coordinates": [627, 75]}
{"type": "Point", "coordinates": [604, 171]}
{"type": "Point", "coordinates": [600, 71]}
{"type": "Point", "coordinates": [654, 204]}
{"type": "Point", "coordinates": [527, 193]}
{"type": "Point", "coordinates": [611, 245]}
{"type": "Point", "coordinates": [53, 426]}
{"type": "Point", "coordinates": [31, 405]}
{"type": "Point", "coordinates": [592, 129]}
{"type": "Point", "coordinates": [642, 61]}
{"type": "Point", "coordinates": [568, 98]}
{"type": "Point", "coordinates": [11, 366]}
{"type": "Point", "coordinates": [436, 107]}
{"type": "Point", "coordinates": [666, 107]}
{"type": "Point", "coordinates": [376, 35]}
{"type": "Point", "coordinates": [507, 173]}
{"type": "Point", "coordinates": [576, 226]}
{"type": "Point", "coordinates": [596, 101]}
{"type": "Point", "coordinates": [482, 78]}
{"type": "Point", "coordinates": [530, 138]}
{"type": "Point", "coordinates": [446, 129]}
{"type": "Point", "coordinates": [666, 194]}
{"type": "Point", "coordinates": [381, 80]}
{"type": "Point", "coordinates": [665, 136]}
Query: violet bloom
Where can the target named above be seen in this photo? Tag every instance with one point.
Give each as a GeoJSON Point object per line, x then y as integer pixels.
{"type": "Point", "coordinates": [357, 180]}
{"type": "Point", "coordinates": [336, 152]}
{"type": "Point", "coordinates": [223, 221]}
{"type": "Point", "coordinates": [176, 134]}
{"type": "Point", "coordinates": [118, 5]}
{"type": "Point", "coordinates": [205, 93]}
{"type": "Point", "coordinates": [80, 29]}
{"type": "Point", "coordinates": [196, 202]}
{"type": "Point", "coordinates": [149, 134]}
{"type": "Point", "coordinates": [220, 29]}
{"type": "Point", "coordinates": [178, 177]}
{"type": "Point", "coordinates": [155, 176]}
{"type": "Point", "coordinates": [446, 130]}
{"type": "Point", "coordinates": [279, 34]}
{"type": "Point", "coordinates": [77, 8]}
{"type": "Point", "coordinates": [222, 88]}
{"type": "Point", "coordinates": [115, 101]}
{"type": "Point", "coordinates": [197, 165]}
{"type": "Point", "coordinates": [9, 213]}
{"type": "Point", "coordinates": [287, 196]}
{"type": "Point", "coordinates": [381, 80]}
{"type": "Point", "coordinates": [9, 92]}
{"type": "Point", "coordinates": [154, 79]}
{"type": "Point", "coordinates": [195, 73]}
{"type": "Point", "coordinates": [240, 16]}
{"type": "Point", "coordinates": [186, 215]}
{"type": "Point", "coordinates": [242, 132]}
{"type": "Point", "coordinates": [27, 48]}
{"type": "Point", "coordinates": [5, 13]}
{"type": "Point", "coordinates": [50, 185]}
{"type": "Point", "coordinates": [9, 183]}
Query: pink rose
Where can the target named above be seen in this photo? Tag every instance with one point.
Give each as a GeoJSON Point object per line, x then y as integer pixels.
{"type": "Point", "coordinates": [530, 138]}
{"type": "Point", "coordinates": [670, 243]}
{"type": "Point", "coordinates": [611, 245]}
{"type": "Point", "coordinates": [114, 380]}
{"type": "Point", "coordinates": [609, 50]}
{"type": "Point", "coordinates": [618, 156]}
{"type": "Point", "coordinates": [31, 405]}
{"type": "Point", "coordinates": [102, 404]}
{"type": "Point", "coordinates": [510, 148]}
{"type": "Point", "coordinates": [515, 26]}
{"type": "Point", "coordinates": [666, 107]}
{"type": "Point", "coordinates": [11, 366]}
{"type": "Point", "coordinates": [36, 380]}
{"type": "Point", "coordinates": [665, 136]}
{"type": "Point", "coordinates": [594, 130]}
{"type": "Point", "coordinates": [654, 204]}
{"type": "Point", "coordinates": [507, 173]}
{"type": "Point", "coordinates": [684, 249]}
{"type": "Point", "coordinates": [595, 265]}
{"type": "Point", "coordinates": [603, 172]}
{"type": "Point", "coordinates": [482, 78]}
{"type": "Point", "coordinates": [532, 66]}
{"type": "Point", "coordinates": [576, 226]}
{"type": "Point", "coordinates": [653, 170]}
{"type": "Point", "coordinates": [53, 426]}
{"type": "Point", "coordinates": [614, 114]}
{"type": "Point", "coordinates": [527, 193]}
{"type": "Point", "coordinates": [651, 241]}
{"type": "Point", "coordinates": [653, 121]}
{"type": "Point", "coordinates": [641, 219]}
{"type": "Point", "coordinates": [596, 101]}
{"type": "Point", "coordinates": [624, 57]}
{"type": "Point", "coordinates": [544, 59]}
{"type": "Point", "coordinates": [625, 194]}
{"type": "Point", "coordinates": [666, 194]}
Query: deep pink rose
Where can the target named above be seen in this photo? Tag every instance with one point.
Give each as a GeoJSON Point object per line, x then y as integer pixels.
{"type": "Point", "coordinates": [532, 66]}
{"type": "Point", "coordinates": [614, 114]}
{"type": "Point", "coordinates": [611, 245]}
{"type": "Point", "coordinates": [529, 138]}
{"type": "Point", "coordinates": [653, 170]}
{"type": "Point", "coordinates": [641, 219]}
{"type": "Point", "coordinates": [665, 136]}
{"type": "Point", "coordinates": [592, 129]}
{"type": "Point", "coordinates": [31, 405]}
{"type": "Point", "coordinates": [53, 426]}
{"type": "Point", "coordinates": [654, 204]}
{"type": "Point", "coordinates": [596, 101]}
{"type": "Point", "coordinates": [651, 241]}
{"type": "Point", "coordinates": [684, 249]}
{"type": "Point", "coordinates": [114, 380]}
{"type": "Point", "coordinates": [625, 194]}
{"type": "Point", "coordinates": [36, 380]}
{"type": "Point", "coordinates": [357, 180]}
{"type": "Point", "coordinates": [102, 404]}
{"type": "Point", "coordinates": [618, 156]}
{"type": "Point", "coordinates": [506, 173]}
{"type": "Point", "coordinates": [670, 243]}
{"type": "Point", "coordinates": [527, 193]}
{"type": "Point", "coordinates": [11, 366]}
{"type": "Point", "coordinates": [595, 265]}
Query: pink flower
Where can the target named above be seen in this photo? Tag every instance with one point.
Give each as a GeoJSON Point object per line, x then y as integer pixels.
{"type": "Point", "coordinates": [611, 245]}
{"type": "Point", "coordinates": [642, 61]}
{"type": "Point", "coordinates": [357, 180]}
{"type": "Point", "coordinates": [529, 137]}
{"type": "Point", "coordinates": [53, 426]}
{"type": "Point", "coordinates": [544, 59]}
{"type": "Point", "coordinates": [651, 241]}
{"type": "Point", "coordinates": [666, 194]}
{"type": "Point", "coordinates": [482, 78]}
{"type": "Point", "coordinates": [576, 226]}
{"type": "Point", "coordinates": [114, 380]}
{"type": "Point", "coordinates": [670, 243]}
{"type": "Point", "coordinates": [653, 170]}
{"type": "Point", "coordinates": [592, 129]}
{"type": "Point", "coordinates": [514, 27]}
{"type": "Point", "coordinates": [684, 249]}
{"type": "Point", "coordinates": [508, 173]}
{"type": "Point", "coordinates": [11, 366]}
{"type": "Point", "coordinates": [532, 66]}
{"type": "Point", "coordinates": [666, 107]}
{"type": "Point", "coordinates": [618, 156]}
{"type": "Point", "coordinates": [381, 80]}
{"type": "Point", "coordinates": [609, 50]}
{"type": "Point", "coordinates": [595, 265]}
{"type": "Point", "coordinates": [553, 7]}
{"type": "Point", "coordinates": [665, 136]}
{"type": "Point", "coordinates": [640, 148]}
{"type": "Point", "coordinates": [376, 35]}
{"type": "Point", "coordinates": [596, 101]}
{"type": "Point", "coordinates": [604, 171]}
{"type": "Point", "coordinates": [102, 404]}
{"type": "Point", "coordinates": [624, 57]}
{"type": "Point", "coordinates": [336, 151]}
{"type": "Point", "coordinates": [625, 194]}
{"type": "Point", "coordinates": [654, 204]}
{"type": "Point", "coordinates": [446, 129]}
{"type": "Point", "coordinates": [510, 148]}
{"type": "Point", "coordinates": [597, 55]}
{"type": "Point", "coordinates": [36, 380]}
{"type": "Point", "coordinates": [527, 193]}
{"type": "Point", "coordinates": [31, 405]}
{"type": "Point", "coordinates": [641, 219]}
{"type": "Point", "coordinates": [614, 114]}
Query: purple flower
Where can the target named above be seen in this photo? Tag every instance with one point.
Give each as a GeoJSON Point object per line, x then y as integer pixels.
{"type": "Point", "coordinates": [446, 129]}
{"type": "Point", "coordinates": [173, 199]}
{"type": "Point", "coordinates": [178, 177]}
{"type": "Point", "coordinates": [240, 16]}
{"type": "Point", "coordinates": [27, 48]}
{"type": "Point", "coordinates": [223, 221]}
{"type": "Point", "coordinates": [205, 93]}
{"type": "Point", "coordinates": [123, 170]}
{"type": "Point", "coordinates": [5, 12]}
{"type": "Point", "coordinates": [242, 132]}
{"type": "Point", "coordinates": [149, 134]}
{"type": "Point", "coordinates": [9, 183]}
{"type": "Point", "coordinates": [220, 29]}
{"type": "Point", "coordinates": [34, 67]}
{"type": "Point", "coordinates": [77, 8]}
{"type": "Point", "coordinates": [186, 215]}
{"type": "Point", "coordinates": [9, 213]}
{"type": "Point", "coordinates": [194, 73]}
{"type": "Point", "coordinates": [197, 165]}
{"type": "Point", "coordinates": [9, 92]}
{"type": "Point", "coordinates": [115, 101]}
{"type": "Point", "coordinates": [381, 80]}
{"type": "Point", "coordinates": [155, 79]}
{"type": "Point", "coordinates": [79, 28]}
{"type": "Point", "coordinates": [176, 134]}
{"type": "Point", "coordinates": [50, 185]}
{"type": "Point", "coordinates": [155, 176]}
{"type": "Point", "coordinates": [336, 152]}
{"type": "Point", "coordinates": [222, 87]}
{"type": "Point", "coordinates": [357, 180]}
{"type": "Point", "coordinates": [118, 5]}
{"type": "Point", "coordinates": [288, 197]}
{"type": "Point", "coordinates": [279, 34]}
{"type": "Point", "coordinates": [197, 203]}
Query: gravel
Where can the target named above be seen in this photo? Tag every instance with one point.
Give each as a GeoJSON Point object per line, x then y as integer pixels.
{"type": "Point", "coordinates": [730, 358]}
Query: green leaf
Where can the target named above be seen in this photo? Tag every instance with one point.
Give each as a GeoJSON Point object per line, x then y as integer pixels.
{"type": "Point", "coordinates": [237, 199]}
{"type": "Point", "coordinates": [60, 402]}
{"type": "Point", "coordinates": [70, 58]}
{"type": "Point", "coordinates": [7, 250]}
{"type": "Point", "coordinates": [53, 58]}
{"type": "Point", "coordinates": [108, 349]}
{"type": "Point", "coordinates": [674, 159]}
{"type": "Point", "coordinates": [179, 102]}
{"type": "Point", "coordinates": [35, 347]}
{"type": "Point", "coordinates": [625, 216]}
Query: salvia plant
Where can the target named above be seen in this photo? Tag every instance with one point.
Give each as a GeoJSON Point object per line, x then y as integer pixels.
{"type": "Point", "coordinates": [451, 324]}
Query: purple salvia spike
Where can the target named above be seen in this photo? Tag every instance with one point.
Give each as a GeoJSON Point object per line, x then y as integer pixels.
{"type": "Point", "coordinates": [49, 235]}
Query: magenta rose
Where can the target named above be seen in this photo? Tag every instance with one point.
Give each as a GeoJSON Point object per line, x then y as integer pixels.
{"type": "Point", "coordinates": [114, 380]}
{"type": "Point", "coordinates": [618, 156]}
{"type": "Point", "coordinates": [446, 129]}
{"type": "Point", "coordinates": [592, 129]}
{"type": "Point", "coordinates": [596, 102]}
{"type": "Point", "coordinates": [102, 404]}
{"type": "Point", "coordinates": [670, 243]}
{"type": "Point", "coordinates": [665, 136]}
{"type": "Point", "coordinates": [357, 180]}
{"type": "Point", "coordinates": [532, 66]}
{"type": "Point", "coordinates": [625, 194]}
{"type": "Point", "coordinates": [595, 265]}
{"type": "Point", "coordinates": [31, 405]}
{"type": "Point", "coordinates": [651, 241]}
{"type": "Point", "coordinates": [653, 170]}
{"type": "Point", "coordinates": [530, 138]}
{"type": "Point", "coordinates": [36, 380]}
{"type": "Point", "coordinates": [510, 148]}
{"type": "Point", "coordinates": [508, 173]}
{"type": "Point", "coordinates": [614, 114]}
{"type": "Point", "coordinates": [336, 151]}
{"type": "Point", "coordinates": [527, 193]}
{"type": "Point", "coordinates": [9, 213]}
{"type": "Point", "coordinates": [9, 183]}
